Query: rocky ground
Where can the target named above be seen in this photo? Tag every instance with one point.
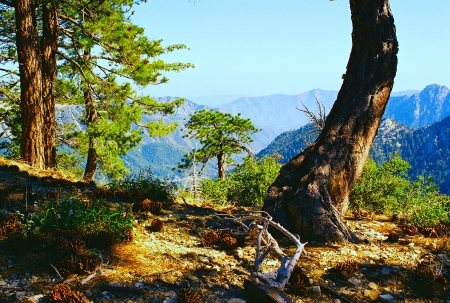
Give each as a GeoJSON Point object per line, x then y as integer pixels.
{"type": "Point", "coordinates": [392, 265]}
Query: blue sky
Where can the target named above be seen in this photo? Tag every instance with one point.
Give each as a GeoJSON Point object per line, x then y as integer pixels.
{"type": "Point", "coordinates": [264, 47]}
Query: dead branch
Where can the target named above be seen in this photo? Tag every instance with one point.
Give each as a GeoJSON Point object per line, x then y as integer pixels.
{"type": "Point", "coordinates": [266, 245]}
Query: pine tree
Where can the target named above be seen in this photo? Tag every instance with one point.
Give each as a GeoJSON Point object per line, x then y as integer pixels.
{"type": "Point", "coordinates": [221, 135]}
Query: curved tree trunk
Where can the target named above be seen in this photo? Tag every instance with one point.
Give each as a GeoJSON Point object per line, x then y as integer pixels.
{"type": "Point", "coordinates": [310, 196]}
{"type": "Point", "coordinates": [49, 46]}
{"type": "Point", "coordinates": [30, 68]}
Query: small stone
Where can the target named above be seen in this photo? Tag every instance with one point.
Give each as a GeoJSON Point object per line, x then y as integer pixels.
{"type": "Point", "coordinates": [14, 277]}
{"type": "Point", "coordinates": [354, 282]}
{"type": "Point", "coordinates": [185, 284]}
{"type": "Point", "coordinates": [204, 259]}
{"type": "Point", "coordinates": [373, 286]}
{"type": "Point", "coordinates": [170, 294]}
{"type": "Point", "coordinates": [13, 284]}
{"type": "Point", "coordinates": [20, 295]}
{"type": "Point", "coordinates": [139, 284]}
{"type": "Point", "coordinates": [169, 300]}
{"type": "Point", "coordinates": [387, 297]}
{"type": "Point", "coordinates": [2, 283]}
{"type": "Point", "coordinates": [36, 298]}
{"type": "Point", "coordinates": [236, 300]}
{"type": "Point", "coordinates": [371, 294]}
{"type": "Point", "coordinates": [192, 278]}
{"type": "Point", "coordinates": [316, 291]}
{"type": "Point", "coordinates": [226, 286]}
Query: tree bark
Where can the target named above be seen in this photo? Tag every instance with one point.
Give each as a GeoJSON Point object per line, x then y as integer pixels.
{"type": "Point", "coordinates": [49, 46]}
{"type": "Point", "coordinates": [30, 68]}
{"type": "Point", "coordinates": [221, 165]}
{"type": "Point", "coordinates": [91, 120]}
{"type": "Point", "coordinates": [310, 195]}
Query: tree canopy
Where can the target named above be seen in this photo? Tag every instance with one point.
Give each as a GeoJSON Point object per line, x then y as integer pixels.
{"type": "Point", "coordinates": [220, 135]}
{"type": "Point", "coordinates": [92, 54]}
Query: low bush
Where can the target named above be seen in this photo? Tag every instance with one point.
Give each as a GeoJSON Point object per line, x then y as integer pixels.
{"type": "Point", "coordinates": [143, 185]}
{"type": "Point", "coordinates": [75, 213]}
{"type": "Point", "coordinates": [246, 185]}
{"type": "Point", "coordinates": [388, 189]}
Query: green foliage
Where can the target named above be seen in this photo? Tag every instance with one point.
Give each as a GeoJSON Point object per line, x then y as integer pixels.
{"type": "Point", "coordinates": [220, 135]}
{"type": "Point", "coordinates": [427, 207]}
{"type": "Point", "coordinates": [70, 164]}
{"type": "Point", "coordinates": [75, 212]}
{"type": "Point", "coordinates": [215, 191]}
{"type": "Point", "coordinates": [116, 54]}
{"type": "Point", "coordinates": [102, 57]}
{"type": "Point", "coordinates": [388, 189]}
{"type": "Point", "coordinates": [143, 184]}
{"type": "Point", "coordinates": [383, 188]}
{"type": "Point", "coordinates": [246, 185]}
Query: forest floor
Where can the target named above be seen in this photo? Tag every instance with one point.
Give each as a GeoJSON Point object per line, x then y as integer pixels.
{"type": "Point", "coordinates": [156, 266]}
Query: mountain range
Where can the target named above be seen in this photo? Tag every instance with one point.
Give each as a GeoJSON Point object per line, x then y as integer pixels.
{"type": "Point", "coordinates": [415, 124]}
{"type": "Point", "coordinates": [422, 137]}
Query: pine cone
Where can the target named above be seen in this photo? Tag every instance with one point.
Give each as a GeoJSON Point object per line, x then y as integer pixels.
{"type": "Point", "coordinates": [409, 229]}
{"type": "Point", "coordinates": [443, 230]}
{"type": "Point", "coordinates": [188, 295]}
{"type": "Point", "coordinates": [79, 264]}
{"type": "Point", "coordinates": [157, 225]}
{"type": "Point", "coordinates": [70, 240]}
{"type": "Point", "coordinates": [210, 239]}
{"type": "Point", "coordinates": [228, 242]}
{"type": "Point", "coordinates": [62, 293]}
{"type": "Point", "coordinates": [346, 269]}
{"type": "Point", "coordinates": [299, 282]}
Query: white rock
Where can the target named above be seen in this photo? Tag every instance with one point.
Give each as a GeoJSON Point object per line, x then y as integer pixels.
{"type": "Point", "coordinates": [236, 300]}
{"type": "Point", "coordinates": [387, 297]}
{"type": "Point", "coordinates": [169, 300]}
{"type": "Point", "coordinates": [371, 294]}
{"type": "Point", "coordinates": [170, 294]}
{"type": "Point", "coordinates": [139, 284]}
{"type": "Point", "coordinates": [35, 298]}
{"type": "Point", "coordinates": [354, 282]}
{"type": "Point", "coordinates": [20, 295]}
{"type": "Point", "coordinates": [373, 286]}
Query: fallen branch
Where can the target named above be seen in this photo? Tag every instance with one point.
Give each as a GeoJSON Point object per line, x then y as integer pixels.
{"type": "Point", "coordinates": [88, 278]}
{"type": "Point", "coordinates": [258, 229]}
{"type": "Point", "coordinates": [56, 271]}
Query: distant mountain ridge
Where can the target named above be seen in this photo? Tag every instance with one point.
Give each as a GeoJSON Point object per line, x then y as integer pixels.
{"type": "Point", "coordinates": [426, 148]}
{"type": "Point", "coordinates": [279, 111]}
{"type": "Point", "coordinates": [430, 105]}
{"type": "Point", "coordinates": [275, 114]}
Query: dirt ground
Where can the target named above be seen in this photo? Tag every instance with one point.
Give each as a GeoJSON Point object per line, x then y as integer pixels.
{"type": "Point", "coordinates": [393, 264]}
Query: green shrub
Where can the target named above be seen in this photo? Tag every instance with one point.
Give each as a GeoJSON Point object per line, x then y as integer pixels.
{"type": "Point", "coordinates": [426, 206]}
{"type": "Point", "coordinates": [246, 185]}
{"type": "Point", "coordinates": [387, 189]}
{"type": "Point", "coordinates": [215, 191]}
{"type": "Point", "coordinates": [87, 217]}
{"type": "Point", "coordinates": [382, 189]}
{"type": "Point", "coordinates": [144, 184]}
